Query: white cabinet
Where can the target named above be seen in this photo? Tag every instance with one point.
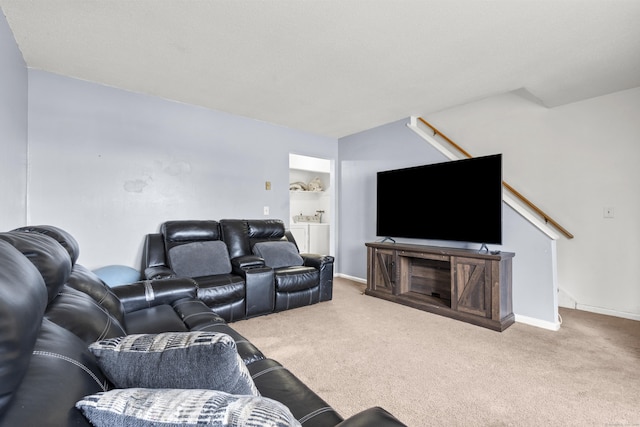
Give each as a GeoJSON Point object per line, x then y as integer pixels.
{"type": "Point", "coordinates": [311, 237]}
{"type": "Point", "coordinates": [319, 239]}
{"type": "Point", "coordinates": [301, 234]}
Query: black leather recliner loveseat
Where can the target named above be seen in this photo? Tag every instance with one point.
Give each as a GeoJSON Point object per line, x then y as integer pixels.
{"type": "Point", "coordinates": [51, 309]}
{"type": "Point", "coordinates": [243, 268]}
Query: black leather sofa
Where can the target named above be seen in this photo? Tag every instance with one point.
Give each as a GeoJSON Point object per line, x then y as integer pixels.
{"type": "Point", "coordinates": [243, 268]}
{"type": "Point", "coordinates": [51, 309]}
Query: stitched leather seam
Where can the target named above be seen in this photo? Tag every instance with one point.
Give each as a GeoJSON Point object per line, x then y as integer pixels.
{"type": "Point", "coordinates": [199, 314]}
{"type": "Point", "coordinates": [315, 413]}
{"type": "Point", "coordinates": [104, 310]}
{"type": "Point", "coordinates": [106, 329]}
{"type": "Point", "coordinates": [266, 371]}
{"type": "Point", "coordinates": [180, 303]}
{"type": "Point", "coordinates": [215, 325]}
{"type": "Point", "coordinates": [73, 362]}
{"type": "Point", "coordinates": [212, 326]}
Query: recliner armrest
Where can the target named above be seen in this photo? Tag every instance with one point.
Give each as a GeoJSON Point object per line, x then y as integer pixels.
{"type": "Point", "coordinates": [324, 263]}
{"type": "Point", "coordinates": [375, 416]}
{"type": "Point", "coordinates": [158, 272]}
{"type": "Point", "coordinates": [150, 293]}
{"type": "Point", "coordinates": [245, 262]}
{"type": "Point", "coordinates": [316, 260]}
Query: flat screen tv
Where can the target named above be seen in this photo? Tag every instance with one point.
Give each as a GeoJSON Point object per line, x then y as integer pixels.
{"type": "Point", "coordinates": [455, 201]}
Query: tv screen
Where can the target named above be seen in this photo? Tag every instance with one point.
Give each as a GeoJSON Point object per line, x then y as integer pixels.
{"type": "Point", "coordinates": [458, 200]}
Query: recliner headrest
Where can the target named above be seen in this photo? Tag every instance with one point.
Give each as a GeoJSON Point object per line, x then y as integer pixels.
{"type": "Point", "coordinates": [190, 231]}
{"type": "Point", "coordinates": [266, 229]}
{"type": "Point", "coordinates": [61, 236]}
{"type": "Point", "coordinates": [50, 258]}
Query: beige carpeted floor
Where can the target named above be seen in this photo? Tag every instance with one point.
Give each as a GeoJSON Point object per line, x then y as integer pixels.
{"type": "Point", "coordinates": [358, 351]}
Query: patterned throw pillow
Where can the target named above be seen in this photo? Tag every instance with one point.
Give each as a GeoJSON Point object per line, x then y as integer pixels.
{"type": "Point", "coordinates": [198, 359]}
{"type": "Point", "coordinates": [172, 408]}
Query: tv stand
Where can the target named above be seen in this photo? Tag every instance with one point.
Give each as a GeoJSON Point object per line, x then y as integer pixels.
{"type": "Point", "coordinates": [462, 284]}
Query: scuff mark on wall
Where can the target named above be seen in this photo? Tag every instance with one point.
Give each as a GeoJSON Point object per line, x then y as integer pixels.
{"type": "Point", "coordinates": [135, 186]}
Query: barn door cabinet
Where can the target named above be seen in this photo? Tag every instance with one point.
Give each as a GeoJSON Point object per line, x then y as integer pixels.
{"type": "Point", "coordinates": [463, 284]}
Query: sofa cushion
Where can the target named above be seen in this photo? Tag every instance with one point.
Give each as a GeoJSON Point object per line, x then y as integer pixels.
{"type": "Point", "coordinates": [197, 359]}
{"type": "Point", "coordinates": [278, 383]}
{"type": "Point", "coordinates": [220, 289]}
{"type": "Point", "coordinates": [197, 259]}
{"type": "Point", "coordinates": [86, 281]}
{"type": "Point", "coordinates": [61, 371]}
{"type": "Point", "coordinates": [297, 278]}
{"type": "Point", "coordinates": [79, 313]}
{"type": "Point", "coordinates": [178, 407]}
{"type": "Point", "coordinates": [155, 320]}
{"type": "Point", "coordinates": [278, 254]}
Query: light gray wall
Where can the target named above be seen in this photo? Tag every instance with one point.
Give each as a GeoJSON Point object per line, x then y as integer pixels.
{"type": "Point", "coordinates": [13, 130]}
{"type": "Point", "coordinates": [110, 165]}
{"type": "Point", "coordinates": [572, 161]}
{"type": "Point", "coordinates": [395, 146]}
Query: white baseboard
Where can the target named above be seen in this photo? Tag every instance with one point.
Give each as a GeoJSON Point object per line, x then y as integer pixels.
{"type": "Point", "coordinates": [565, 299]}
{"type": "Point", "coordinates": [608, 312]}
{"type": "Point", "coordinates": [355, 279]}
{"type": "Point", "coordinates": [544, 324]}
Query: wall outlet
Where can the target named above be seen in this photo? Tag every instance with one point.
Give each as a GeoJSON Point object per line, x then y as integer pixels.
{"type": "Point", "coordinates": [265, 210]}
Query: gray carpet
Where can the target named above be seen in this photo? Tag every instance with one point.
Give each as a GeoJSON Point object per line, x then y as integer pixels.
{"type": "Point", "coordinates": [358, 351]}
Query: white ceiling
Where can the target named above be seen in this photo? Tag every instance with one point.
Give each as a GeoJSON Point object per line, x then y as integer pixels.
{"type": "Point", "coordinates": [336, 67]}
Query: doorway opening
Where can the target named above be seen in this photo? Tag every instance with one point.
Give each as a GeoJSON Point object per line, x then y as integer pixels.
{"type": "Point", "coordinates": [311, 203]}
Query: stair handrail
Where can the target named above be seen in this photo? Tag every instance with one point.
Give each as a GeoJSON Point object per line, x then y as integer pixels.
{"type": "Point", "coordinates": [547, 219]}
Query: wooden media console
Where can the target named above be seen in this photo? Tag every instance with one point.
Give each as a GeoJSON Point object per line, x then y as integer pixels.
{"type": "Point", "coordinates": [463, 284]}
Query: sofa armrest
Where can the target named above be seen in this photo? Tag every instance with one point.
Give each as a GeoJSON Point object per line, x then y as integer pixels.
{"type": "Point", "coordinates": [375, 416]}
{"type": "Point", "coordinates": [324, 263]}
{"type": "Point", "coordinates": [150, 293]}
{"type": "Point", "coordinates": [153, 251]}
{"type": "Point", "coordinates": [158, 272]}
